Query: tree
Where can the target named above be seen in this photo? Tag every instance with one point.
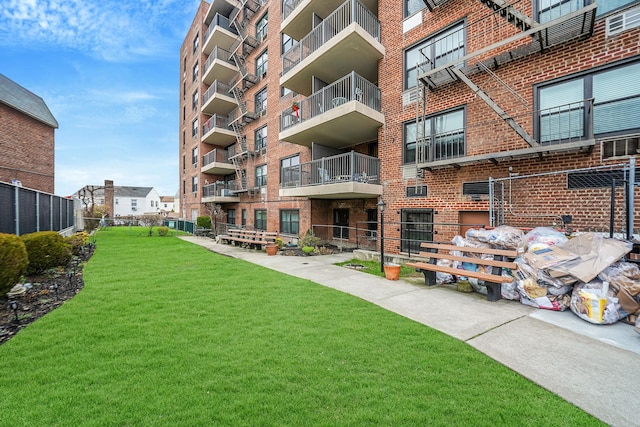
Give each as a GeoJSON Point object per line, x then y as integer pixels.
{"type": "Point", "coordinates": [216, 214]}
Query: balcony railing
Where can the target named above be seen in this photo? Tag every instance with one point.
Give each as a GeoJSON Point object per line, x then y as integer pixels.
{"type": "Point", "coordinates": [554, 128]}
{"type": "Point", "coordinates": [219, 189]}
{"type": "Point", "coordinates": [218, 53]}
{"type": "Point", "coordinates": [215, 156]}
{"type": "Point", "coordinates": [349, 88]}
{"type": "Point", "coordinates": [216, 121]}
{"type": "Point", "coordinates": [288, 6]}
{"type": "Point", "coordinates": [222, 22]}
{"type": "Point", "coordinates": [347, 167]}
{"type": "Point", "coordinates": [351, 11]}
{"type": "Point", "coordinates": [216, 87]}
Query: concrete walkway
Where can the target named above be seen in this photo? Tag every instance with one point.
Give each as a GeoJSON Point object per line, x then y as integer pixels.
{"type": "Point", "coordinates": [595, 367]}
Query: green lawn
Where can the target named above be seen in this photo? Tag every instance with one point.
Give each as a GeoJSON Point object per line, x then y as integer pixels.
{"type": "Point", "coordinates": [166, 333]}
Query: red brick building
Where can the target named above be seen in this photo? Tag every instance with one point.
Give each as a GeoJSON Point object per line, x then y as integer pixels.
{"type": "Point", "coordinates": [452, 112]}
{"type": "Point", "coordinates": [27, 130]}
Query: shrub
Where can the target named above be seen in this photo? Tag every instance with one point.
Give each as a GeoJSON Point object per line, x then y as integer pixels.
{"type": "Point", "coordinates": [77, 241]}
{"type": "Point", "coordinates": [204, 222]}
{"type": "Point", "coordinates": [13, 261]}
{"type": "Point", "coordinates": [308, 249]}
{"type": "Point", "coordinates": [46, 249]}
{"type": "Point", "coordinates": [309, 239]}
{"type": "Point", "coordinates": [279, 242]}
{"type": "Point", "coordinates": [163, 231]}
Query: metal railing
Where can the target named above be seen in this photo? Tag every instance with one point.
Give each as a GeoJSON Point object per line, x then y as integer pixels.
{"type": "Point", "coordinates": [219, 21]}
{"type": "Point", "coordinates": [216, 155]}
{"type": "Point", "coordinates": [288, 6]}
{"type": "Point", "coordinates": [218, 53]}
{"type": "Point", "coordinates": [351, 11]}
{"type": "Point", "coordinates": [562, 124]}
{"type": "Point", "coordinates": [347, 167]}
{"type": "Point", "coordinates": [351, 87]}
{"type": "Point", "coordinates": [216, 87]}
{"type": "Point", "coordinates": [215, 121]}
{"type": "Point", "coordinates": [219, 189]}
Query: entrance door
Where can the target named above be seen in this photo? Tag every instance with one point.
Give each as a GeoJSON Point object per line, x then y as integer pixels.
{"type": "Point", "coordinates": [469, 219]}
{"type": "Point", "coordinates": [417, 227]}
{"type": "Point", "coordinates": [341, 223]}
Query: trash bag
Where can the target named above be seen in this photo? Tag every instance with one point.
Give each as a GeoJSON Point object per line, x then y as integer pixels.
{"type": "Point", "coordinates": [544, 236]}
{"type": "Point", "coordinates": [596, 303]}
{"type": "Point", "coordinates": [540, 293]}
{"type": "Point", "coordinates": [507, 237]}
{"type": "Point", "coordinates": [624, 280]}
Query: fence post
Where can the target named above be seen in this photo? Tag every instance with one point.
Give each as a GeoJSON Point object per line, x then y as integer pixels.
{"type": "Point", "coordinates": [630, 197]}
{"type": "Point", "coordinates": [16, 201]}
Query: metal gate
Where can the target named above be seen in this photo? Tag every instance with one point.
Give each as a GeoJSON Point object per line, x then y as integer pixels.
{"type": "Point", "coordinates": [598, 199]}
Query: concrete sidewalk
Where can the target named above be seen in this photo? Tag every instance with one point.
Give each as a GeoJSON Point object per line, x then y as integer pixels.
{"type": "Point", "coordinates": [594, 367]}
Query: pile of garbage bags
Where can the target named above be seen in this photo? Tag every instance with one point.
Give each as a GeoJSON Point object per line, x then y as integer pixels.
{"type": "Point", "coordinates": [583, 273]}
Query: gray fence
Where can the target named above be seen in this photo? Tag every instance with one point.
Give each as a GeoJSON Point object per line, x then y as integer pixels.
{"type": "Point", "coordinates": [23, 211]}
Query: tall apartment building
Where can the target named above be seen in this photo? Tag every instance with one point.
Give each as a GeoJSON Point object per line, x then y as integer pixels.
{"type": "Point", "coordinates": [451, 112]}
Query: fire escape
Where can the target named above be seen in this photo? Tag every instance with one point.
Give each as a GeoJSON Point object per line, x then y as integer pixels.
{"type": "Point", "coordinates": [244, 114]}
{"type": "Point", "coordinates": [505, 35]}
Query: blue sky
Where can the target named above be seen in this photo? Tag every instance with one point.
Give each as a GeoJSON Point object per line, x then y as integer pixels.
{"type": "Point", "coordinates": [109, 72]}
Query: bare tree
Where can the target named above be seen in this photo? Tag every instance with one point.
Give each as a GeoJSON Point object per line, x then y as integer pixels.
{"type": "Point", "coordinates": [216, 214]}
{"type": "Point", "coordinates": [87, 196]}
{"type": "Point", "coordinates": [151, 220]}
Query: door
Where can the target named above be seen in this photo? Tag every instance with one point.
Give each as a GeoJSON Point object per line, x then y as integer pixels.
{"type": "Point", "coordinates": [341, 223]}
{"type": "Point", "coordinates": [417, 227]}
{"type": "Point", "coordinates": [471, 219]}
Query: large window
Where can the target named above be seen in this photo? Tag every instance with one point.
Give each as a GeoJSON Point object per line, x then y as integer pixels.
{"type": "Point", "coordinates": [260, 219]}
{"type": "Point", "coordinates": [413, 6]}
{"type": "Point", "coordinates": [289, 174]}
{"type": "Point", "coordinates": [262, 26]}
{"type": "Point", "coordinates": [290, 221]}
{"type": "Point", "coordinates": [287, 43]}
{"type": "Point", "coordinates": [443, 137]}
{"type": "Point", "coordinates": [261, 100]}
{"type": "Point", "coordinates": [440, 49]}
{"type": "Point", "coordinates": [616, 108]}
{"type": "Point", "coordinates": [549, 10]}
{"type": "Point", "coordinates": [194, 128]}
{"type": "Point", "coordinates": [261, 175]}
{"type": "Point", "coordinates": [262, 62]}
{"type": "Point", "coordinates": [231, 216]}
{"type": "Point", "coordinates": [261, 138]}
{"type": "Point", "coordinates": [194, 184]}
{"type": "Point", "coordinates": [194, 156]}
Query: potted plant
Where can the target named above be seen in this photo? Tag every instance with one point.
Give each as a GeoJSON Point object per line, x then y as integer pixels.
{"type": "Point", "coordinates": [271, 248]}
{"type": "Point", "coordinates": [392, 271]}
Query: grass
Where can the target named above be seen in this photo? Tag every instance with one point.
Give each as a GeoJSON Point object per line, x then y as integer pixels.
{"type": "Point", "coordinates": [373, 267]}
{"type": "Point", "coordinates": [166, 333]}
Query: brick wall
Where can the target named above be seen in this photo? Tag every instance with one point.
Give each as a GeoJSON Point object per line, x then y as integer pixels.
{"type": "Point", "coordinates": [27, 147]}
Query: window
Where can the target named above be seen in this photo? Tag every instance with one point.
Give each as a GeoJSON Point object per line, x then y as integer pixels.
{"type": "Point", "coordinates": [184, 90]}
{"type": "Point", "coordinates": [261, 175]}
{"type": "Point", "coordinates": [611, 5]}
{"type": "Point", "coordinates": [194, 157]}
{"type": "Point", "coordinates": [615, 110]}
{"type": "Point", "coordinates": [290, 221]}
{"type": "Point", "coordinates": [413, 6]}
{"type": "Point", "coordinates": [598, 179]}
{"type": "Point", "coordinates": [194, 184]}
{"type": "Point", "coordinates": [261, 138]}
{"type": "Point", "coordinates": [243, 217]}
{"type": "Point", "coordinates": [417, 227]}
{"type": "Point", "coordinates": [196, 42]}
{"type": "Point", "coordinates": [287, 43]}
{"type": "Point", "coordinates": [289, 174]}
{"type": "Point", "coordinates": [117, 202]}
{"type": "Point", "coordinates": [231, 216]}
{"type": "Point", "coordinates": [260, 220]}
{"type": "Point", "coordinates": [195, 72]}
{"type": "Point", "coordinates": [443, 137]}
{"type": "Point", "coordinates": [440, 49]}
{"type": "Point", "coordinates": [262, 62]}
{"type": "Point", "coordinates": [194, 128]}
{"type": "Point", "coordinates": [134, 204]}
{"type": "Point", "coordinates": [417, 191]}
{"type": "Point", "coordinates": [475, 188]}
{"type": "Point", "coordinates": [194, 101]}
{"type": "Point", "coordinates": [284, 91]}
{"type": "Point", "coordinates": [261, 27]}
{"type": "Point", "coordinates": [184, 163]}
{"type": "Point", "coordinates": [261, 100]}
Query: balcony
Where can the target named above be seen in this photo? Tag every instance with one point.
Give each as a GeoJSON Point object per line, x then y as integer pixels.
{"type": "Point", "coordinates": [498, 38]}
{"type": "Point", "coordinates": [345, 176]}
{"type": "Point", "coordinates": [221, 7]}
{"type": "Point", "coordinates": [217, 100]}
{"type": "Point", "coordinates": [297, 15]}
{"type": "Point", "coordinates": [562, 129]}
{"type": "Point", "coordinates": [347, 40]}
{"type": "Point", "coordinates": [216, 131]}
{"type": "Point", "coordinates": [220, 33]}
{"type": "Point", "coordinates": [340, 115]}
{"type": "Point", "coordinates": [219, 66]}
{"type": "Point", "coordinates": [220, 192]}
{"type": "Point", "coordinates": [244, 114]}
{"type": "Point", "coordinates": [217, 162]}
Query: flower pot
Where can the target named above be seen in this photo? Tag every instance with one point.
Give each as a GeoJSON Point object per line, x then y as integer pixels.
{"type": "Point", "coordinates": [271, 249]}
{"type": "Point", "coordinates": [392, 271]}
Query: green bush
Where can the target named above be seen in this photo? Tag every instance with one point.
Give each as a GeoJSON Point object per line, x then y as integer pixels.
{"type": "Point", "coordinates": [77, 241]}
{"type": "Point", "coordinates": [46, 250]}
{"type": "Point", "coordinates": [163, 231]}
{"type": "Point", "coordinates": [204, 222]}
{"type": "Point", "coordinates": [308, 249]}
{"type": "Point", "coordinates": [13, 261]}
{"type": "Point", "coordinates": [309, 239]}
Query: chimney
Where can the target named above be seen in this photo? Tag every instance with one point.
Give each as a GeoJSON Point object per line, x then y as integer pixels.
{"type": "Point", "coordinates": [108, 197]}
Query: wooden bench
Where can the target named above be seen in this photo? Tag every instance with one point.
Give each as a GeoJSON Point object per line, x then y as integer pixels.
{"type": "Point", "coordinates": [249, 237]}
{"type": "Point", "coordinates": [493, 281]}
